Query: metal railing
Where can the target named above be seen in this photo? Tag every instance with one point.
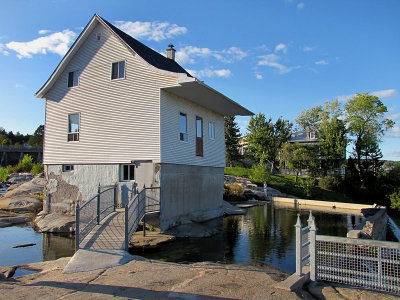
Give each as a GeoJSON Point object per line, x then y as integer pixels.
{"type": "Point", "coordinates": [93, 211]}
{"type": "Point", "coordinates": [363, 263]}
{"type": "Point", "coordinates": [141, 203]}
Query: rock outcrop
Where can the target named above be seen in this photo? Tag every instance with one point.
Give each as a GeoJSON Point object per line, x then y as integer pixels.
{"type": "Point", "coordinates": [55, 223]}
{"type": "Point", "coordinates": [25, 197]}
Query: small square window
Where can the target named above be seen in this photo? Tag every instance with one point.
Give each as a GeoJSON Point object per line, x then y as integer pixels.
{"type": "Point", "coordinates": [73, 79]}
{"type": "Point", "coordinates": [211, 130]}
{"type": "Point", "coordinates": [183, 135]}
{"type": "Point", "coordinates": [118, 70]}
{"type": "Point", "coordinates": [98, 36]}
{"type": "Point", "coordinates": [127, 172]}
{"type": "Point", "coordinates": [73, 127]}
{"type": "Point", "coordinates": [67, 168]}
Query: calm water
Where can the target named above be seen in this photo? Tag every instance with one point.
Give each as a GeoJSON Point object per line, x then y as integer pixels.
{"type": "Point", "coordinates": [48, 246]}
{"type": "Point", "coordinates": [265, 235]}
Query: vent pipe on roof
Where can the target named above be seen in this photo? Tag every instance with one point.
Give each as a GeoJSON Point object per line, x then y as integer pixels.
{"type": "Point", "coordinates": [171, 52]}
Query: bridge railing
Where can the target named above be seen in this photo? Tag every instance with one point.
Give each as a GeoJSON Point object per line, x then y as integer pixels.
{"type": "Point", "coordinates": [362, 263]}
{"type": "Point", "coordinates": [141, 203]}
{"type": "Point", "coordinates": [93, 211]}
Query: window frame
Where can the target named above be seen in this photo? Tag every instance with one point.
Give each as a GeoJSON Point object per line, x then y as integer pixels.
{"type": "Point", "coordinates": [121, 172]}
{"type": "Point", "coordinates": [76, 132]}
{"type": "Point", "coordinates": [66, 167]}
{"type": "Point", "coordinates": [183, 134]}
{"type": "Point", "coordinates": [117, 62]}
{"type": "Point", "coordinates": [98, 36]}
{"type": "Point", "coordinates": [211, 136]}
{"type": "Point", "coordinates": [77, 81]}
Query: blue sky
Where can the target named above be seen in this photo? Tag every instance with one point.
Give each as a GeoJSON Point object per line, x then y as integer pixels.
{"type": "Point", "coordinates": [276, 57]}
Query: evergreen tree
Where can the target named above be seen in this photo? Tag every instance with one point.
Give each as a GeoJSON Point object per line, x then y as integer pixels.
{"type": "Point", "coordinates": [232, 136]}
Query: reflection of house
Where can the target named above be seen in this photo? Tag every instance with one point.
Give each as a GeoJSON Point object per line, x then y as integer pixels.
{"type": "Point", "coordinates": [120, 112]}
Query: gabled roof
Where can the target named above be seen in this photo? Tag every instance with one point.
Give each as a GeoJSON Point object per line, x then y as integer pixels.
{"type": "Point", "coordinates": [301, 137]}
{"type": "Point", "coordinates": [153, 58]}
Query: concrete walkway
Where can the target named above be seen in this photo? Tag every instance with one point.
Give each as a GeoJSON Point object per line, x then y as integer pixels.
{"type": "Point", "coordinates": [109, 234]}
{"type": "Point", "coordinates": [88, 260]}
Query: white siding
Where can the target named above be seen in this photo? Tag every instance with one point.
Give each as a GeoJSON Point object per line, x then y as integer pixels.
{"type": "Point", "coordinates": [120, 119]}
{"type": "Point", "coordinates": [175, 151]}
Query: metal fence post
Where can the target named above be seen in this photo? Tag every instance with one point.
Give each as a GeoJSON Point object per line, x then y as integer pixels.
{"type": "Point", "coordinates": [77, 227]}
{"type": "Point", "coordinates": [98, 205]}
{"type": "Point", "coordinates": [380, 266]}
{"type": "Point", "coordinates": [144, 225]}
{"type": "Point", "coordinates": [126, 227]}
{"type": "Point", "coordinates": [313, 249]}
{"type": "Point", "coordinates": [115, 196]}
{"type": "Point", "coordinates": [310, 219]}
{"type": "Point", "coordinates": [298, 246]}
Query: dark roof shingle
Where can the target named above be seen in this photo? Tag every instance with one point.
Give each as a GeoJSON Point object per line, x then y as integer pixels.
{"type": "Point", "coordinates": [152, 57]}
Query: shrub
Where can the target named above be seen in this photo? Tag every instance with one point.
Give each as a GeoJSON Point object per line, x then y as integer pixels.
{"type": "Point", "coordinates": [26, 164]}
{"type": "Point", "coordinates": [3, 174]}
{"type": "Point", "coordinates": [331, 183]}
{"type": "Point", "coordinates": [308, 185]}
{"type": "Point", "coordinates": [37, 168]}
{"type": "Point", "coordinates": [233, 192]}
{"type": "Point", "coordinates": [395, 200]}
{"type": "Point", "coordinates": [261, 173]}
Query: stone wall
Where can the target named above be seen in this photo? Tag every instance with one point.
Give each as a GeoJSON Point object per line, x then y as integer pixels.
{"type": "Point", "coordinates": [374, 226]}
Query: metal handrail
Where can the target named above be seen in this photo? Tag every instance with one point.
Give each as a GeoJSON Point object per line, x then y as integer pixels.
{"type": "Point", "coordinates": [81, 233]}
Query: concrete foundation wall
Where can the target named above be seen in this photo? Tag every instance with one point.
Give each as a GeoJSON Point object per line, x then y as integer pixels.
{"type": "Point", "coordinates": [190, 193]}
{"type": "Point", "coordinates": [64, 189]}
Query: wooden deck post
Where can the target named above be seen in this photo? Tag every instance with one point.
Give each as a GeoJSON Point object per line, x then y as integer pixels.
{"type": "Point", "coordinates": [98, 205]}
{"type": "Point", "coordinates": [298, 246]}
{"type": "Point", "coordinates": [77, 227]}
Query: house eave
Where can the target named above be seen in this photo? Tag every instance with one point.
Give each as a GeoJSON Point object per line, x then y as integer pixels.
{"type": "Point", "coordinates": [198, 92]}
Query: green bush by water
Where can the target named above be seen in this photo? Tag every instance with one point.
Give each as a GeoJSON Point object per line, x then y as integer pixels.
{"type": "Point", "coordinates": [3, 174]}
{"type": "Point", "coordinates": [37, 168]}
{"type": "Point", "coordinates": [26, 164]}
{"type": "Point", "coordinates": [331, 183]}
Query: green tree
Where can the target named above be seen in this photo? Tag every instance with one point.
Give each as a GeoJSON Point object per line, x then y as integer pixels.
{"type": "Point", "coordinates": [232, 136]}
{"type": "Point", "coordinates": [299, 157]}
{"type": "Point", "coordinates": [309, 118]}
{"type": "Point", "coordinates": [365, 118]}
{"type": "Point", "coordinates": [266, 139]}
{"type": "Point", "coordinates": [332, 136]}
{"type": "Point", "coordinates": [37, 137]}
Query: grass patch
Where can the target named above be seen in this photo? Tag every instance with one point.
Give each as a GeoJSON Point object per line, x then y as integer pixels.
{"type": "Point", "coordinates": [286, 184]}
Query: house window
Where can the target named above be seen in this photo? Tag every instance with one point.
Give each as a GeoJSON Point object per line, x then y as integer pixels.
{"type": "Point", "coordinates": [73, 127]}
{"type": "Point", "coordinates": [312, 135]}
{"type": "Point", "coordinates": [211, 130]}
{"type": "Point", "coordinates": [67, 168]}
{"type": "Point", "coordinates": [98, 36]}
{"type": "Point", "coordinates": [73, 78]}
{"type": "Point", "coordinates": [127, 172]}
{"type": "Point", "coordinates": [118, 70]}
{"type": "Point", "coordinates": [183, 135]}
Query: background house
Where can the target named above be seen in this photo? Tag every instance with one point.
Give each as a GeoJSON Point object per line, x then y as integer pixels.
{"type": "Point", "coordinates": [120, 112]}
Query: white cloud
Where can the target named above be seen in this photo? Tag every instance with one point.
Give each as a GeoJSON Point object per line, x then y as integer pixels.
{"type": "Point", "coordinates": [223, 73]}
{"type": "Point", "coordinates": [308, 49]}
{"type": "Point", "coordinates": [300, 6]}
{"type": "Point", "coordinates": [271, 60]}
{"type": "Point", "coordinates": [380, 94]}
{"type": "Point", "coordinates": [44, 31]}
{"type": "Point", "coordinates": [188, 54]}
{"type": "Point", "coordinates": [385, 93]}
{"type": "Point", "coordinates": [149, 31]}
{"type": "Point", "coordinates": [242, 123]}
{"type": "Point", "coordinates": [18, 86]}
{"type": "Point", "coordinates": [281, 47]}
{"type": "Point", "coordinates": [57, 42]}
{"type": "Point", "coordinates": [259, 76]}
{"type": "Point", "coordinates": [321, 62]}
{"type": "Point", "coordinates": [3, 50]}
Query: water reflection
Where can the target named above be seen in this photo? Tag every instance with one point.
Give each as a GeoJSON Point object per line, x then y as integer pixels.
{"type": "Point", "coordinates": [58, 245]}
{"type": "Point", "coordinates": [264, 235]}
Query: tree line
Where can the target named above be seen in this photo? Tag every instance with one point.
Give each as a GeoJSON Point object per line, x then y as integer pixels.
{"type": "Point", "coordinates": [10, 138]}
{"type": "Point", "coordinates": [347, 135]}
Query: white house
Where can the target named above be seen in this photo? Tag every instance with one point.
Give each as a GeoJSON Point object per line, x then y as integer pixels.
{"type": "Point", "coordinates": [120, 112]}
